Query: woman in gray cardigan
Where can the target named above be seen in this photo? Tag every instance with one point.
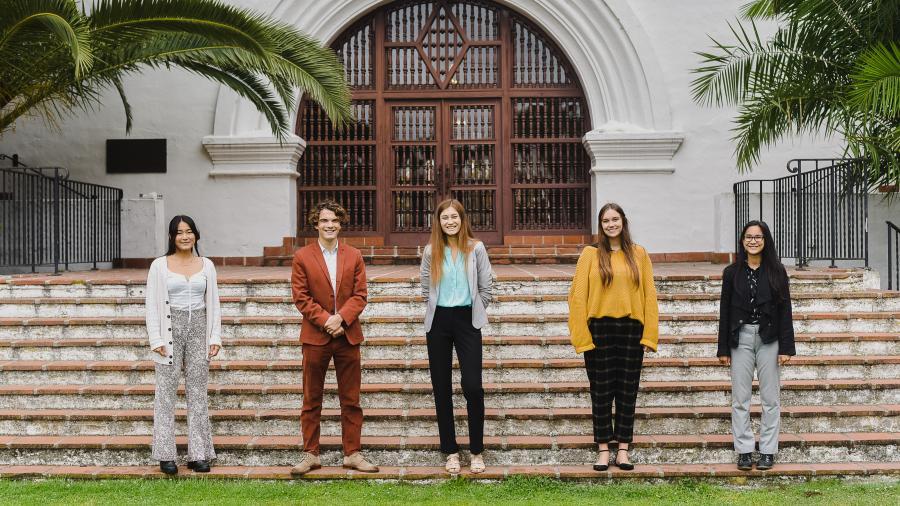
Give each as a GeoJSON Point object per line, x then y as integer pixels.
{"type": "Point", "coordinates": [456, 281]}
{"type": "Point", "coordinates": [184, 326]}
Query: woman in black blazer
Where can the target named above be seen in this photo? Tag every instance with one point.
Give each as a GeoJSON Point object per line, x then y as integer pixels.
{"type": "Point", "coordinates": [755, 332]}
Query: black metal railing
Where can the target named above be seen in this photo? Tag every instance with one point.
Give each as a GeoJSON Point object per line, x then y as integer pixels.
{"type": "Point", "coordinates": [893, 256]}
{"type": "Point", "coordinates": [48, 219]}
{"type": "Point", "coordinates": [819, 212]}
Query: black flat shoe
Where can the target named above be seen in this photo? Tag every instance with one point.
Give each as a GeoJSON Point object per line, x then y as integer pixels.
{"type": "Point", "coordinates": [199, 466]}
{"type": "Point", "coordinates": [745, 461]}
{"type": "Point", "coordinates": [168, 466]}
{"type": "Point", "coordinates": [625, 466]}
{"type": "Point", "coordinates": [598, 466]}
{"type": "Point", "coordinates": [766, 461]}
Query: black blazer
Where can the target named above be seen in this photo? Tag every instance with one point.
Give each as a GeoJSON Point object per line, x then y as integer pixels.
{"type": "Point", "coordinates": [775, 318]}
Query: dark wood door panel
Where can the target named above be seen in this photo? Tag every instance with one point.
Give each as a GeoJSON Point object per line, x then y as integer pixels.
{"type": "Point", "coordinates": [462, 99]}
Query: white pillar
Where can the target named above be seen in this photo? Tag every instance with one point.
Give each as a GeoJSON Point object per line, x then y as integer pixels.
{"type": "Point", "coordinates": [256, 176]}
{"type": "Point", "coordinates": [619, 157]}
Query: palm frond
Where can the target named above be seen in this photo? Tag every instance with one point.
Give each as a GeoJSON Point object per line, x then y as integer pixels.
{"type": "Point", "coordinates": [54, 67]}
{"type": "Point", "coordinates": [733, 73]}
{"type": "Point", "coordinates": [876, 83]}
{"type": "Point", "coordinates": [46, 24]}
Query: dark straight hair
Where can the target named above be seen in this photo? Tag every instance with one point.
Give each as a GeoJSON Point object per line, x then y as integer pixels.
{"type": "Point", "coordinates": [173, 231]}
{"type": "Point", "coordinates": [775, 271]}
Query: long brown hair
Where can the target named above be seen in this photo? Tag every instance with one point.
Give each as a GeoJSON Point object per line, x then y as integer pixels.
{"type": "Point", "coordinates": [465, 239]}
{"type": "Point", "coordinates": [604, 250]}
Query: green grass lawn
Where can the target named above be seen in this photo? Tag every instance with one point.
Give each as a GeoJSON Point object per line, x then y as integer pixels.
{"type": "Point", "coordinates": [518, 491]}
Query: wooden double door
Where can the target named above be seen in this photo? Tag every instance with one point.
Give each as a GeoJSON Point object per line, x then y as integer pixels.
{"type": "Point", "coordinates": [440, 149]}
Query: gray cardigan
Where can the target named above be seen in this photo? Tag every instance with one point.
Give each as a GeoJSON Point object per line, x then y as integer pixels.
{"type": "Point", "coordinates": [478, 271]}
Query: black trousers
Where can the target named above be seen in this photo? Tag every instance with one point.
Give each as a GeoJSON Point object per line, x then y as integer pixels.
{"type": "Point", "coordinates": [452, 326]}
{"type": "Point", "coordinates": [614, 373]}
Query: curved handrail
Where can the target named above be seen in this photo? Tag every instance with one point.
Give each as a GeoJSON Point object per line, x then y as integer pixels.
{"type": "Point", "coordinates": [798, 204]}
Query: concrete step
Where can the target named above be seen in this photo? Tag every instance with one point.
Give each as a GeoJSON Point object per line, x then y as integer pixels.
{"type": "Point", "coordinates": [561, 370]}
{"type": "Point", "coordinates": [72, 307]}
{"type": "Point", "coordinates": [727, 472]}
{"type": "Point", "coordinates": [500, 325]}
{"type": "Point", "coordinates": [416, 395]}
{"type": "Point", "coordinates": [423, 451]}
{"type": "Point", "coordinates": [391, 285]}
{"type": "Point", "coordinates": [413, 348]}
{"type": "Point", "coordinates": [421, 422]}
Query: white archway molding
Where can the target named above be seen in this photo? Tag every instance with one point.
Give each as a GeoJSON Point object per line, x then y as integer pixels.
{"type": "Point", "coordinates": [603, 39]}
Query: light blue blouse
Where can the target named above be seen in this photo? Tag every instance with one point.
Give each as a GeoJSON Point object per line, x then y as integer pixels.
{"type": "Point", "coordinates": [454, 288]}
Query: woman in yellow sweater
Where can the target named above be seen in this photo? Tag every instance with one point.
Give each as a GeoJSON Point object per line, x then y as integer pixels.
{"type": "Point", "coordinates": [613, 319]}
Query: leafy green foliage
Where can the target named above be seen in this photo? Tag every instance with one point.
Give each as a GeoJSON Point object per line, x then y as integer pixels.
{"type": "Point", "coordinates": [831, 67]}
{"type": "Point", "coordinates": [56, 58]}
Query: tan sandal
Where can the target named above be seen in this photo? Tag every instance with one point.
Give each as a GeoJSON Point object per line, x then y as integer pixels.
{"type": "Point", "coordinates": [477, 464]}
{"type": "Point", "coordinates": [452, 465]}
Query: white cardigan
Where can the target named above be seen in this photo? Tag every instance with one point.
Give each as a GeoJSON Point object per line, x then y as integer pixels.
{"type": "Point", "coordinates": [159, 315]}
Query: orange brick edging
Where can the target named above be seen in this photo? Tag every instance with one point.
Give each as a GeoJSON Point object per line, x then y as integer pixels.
{"type": "Point", "coordinates": [144, 263]}
{"type": "Point", "coordinates": [569, 472]}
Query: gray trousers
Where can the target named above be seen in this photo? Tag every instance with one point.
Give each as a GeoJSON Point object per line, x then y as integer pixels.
{"type": "Point", "coordinates": [752, 354]}
{"type": "Point", "coordinates": [189, 353]}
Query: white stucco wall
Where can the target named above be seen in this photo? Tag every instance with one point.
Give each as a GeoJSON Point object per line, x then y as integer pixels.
{"type": "Point", "coordinates": [633, 56]}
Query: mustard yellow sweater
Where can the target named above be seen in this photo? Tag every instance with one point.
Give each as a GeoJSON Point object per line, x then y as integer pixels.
{"type": "Point", "coordinates": [588, 298]}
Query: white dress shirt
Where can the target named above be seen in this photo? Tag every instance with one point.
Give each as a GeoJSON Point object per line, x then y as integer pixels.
{"type": "Point", "coordinates": [331, 263]}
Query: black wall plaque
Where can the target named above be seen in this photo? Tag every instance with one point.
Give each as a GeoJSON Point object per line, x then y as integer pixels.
{"type": "Point", "coordinates": [135, 156]}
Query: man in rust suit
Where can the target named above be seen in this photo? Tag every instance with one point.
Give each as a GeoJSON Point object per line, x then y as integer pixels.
{"type": "Point", "coordinates": [328, 283]}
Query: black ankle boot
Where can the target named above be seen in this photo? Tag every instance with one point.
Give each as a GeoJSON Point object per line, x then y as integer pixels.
{"type": "Point", "coordinates": [745, 461]}
{"type": "Point", "coordinates": [766, 461]}
{"type": "Point", "coordinates": [168, 466]}
{"type": "Point", "coordinates": [199, 466]}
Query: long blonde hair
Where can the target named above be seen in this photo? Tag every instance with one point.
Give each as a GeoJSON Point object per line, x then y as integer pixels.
{"type": "Point", "coordinates": [604, 250]}
{"type": "Point", "coordinates": [465, 239]}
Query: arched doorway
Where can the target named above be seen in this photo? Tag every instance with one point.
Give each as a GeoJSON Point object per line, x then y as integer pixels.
{"type": "Point", "coordinates": [462, 99]}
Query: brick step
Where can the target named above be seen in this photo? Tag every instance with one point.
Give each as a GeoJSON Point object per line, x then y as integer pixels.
{"type": "Point", "coordinates": [421, 421]}
{"type": "Point", "coordinates": [704, 303]}
{"type": "Point", "coordinates": [511, 450]}
{"type": "Point", "coordinates": [500, 325]}
{"type": "Point", "coordinates": [413, 348]}
{"type": "Point", "coordinates": [545, 259]}
{"type": "Point", "coordinates": [413, 255]}
{"type": "Point", "coordinates": [416, 395]}
{"type": "Point", "coordinates": [421, 473]}
{"type": "Point", "coordinates": [276, 283]}
{"type": "Point", "coordinates": [21, 372]}
{"type": "Point", "coordinates": [411, 259]}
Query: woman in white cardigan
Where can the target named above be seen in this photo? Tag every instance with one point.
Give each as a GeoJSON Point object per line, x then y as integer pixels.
{"type": "Point", "coordinates": [184, 325]}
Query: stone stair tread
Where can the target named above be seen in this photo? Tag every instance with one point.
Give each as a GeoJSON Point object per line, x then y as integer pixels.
{"type": "Point", "coordinates": [641, 471]}
{"type": "Point", "coordinates": [420, 340]}
{"type": "Point", "coordinates": [428, 413]}
{"type": "Point", "coordinates": [531, 387]}
{"type": "Point", "coordinates": [296, 365]}
{"type": "Point", "coordinates": [698, 271]}
{"type": "Point", "coordinates": [862, 294]}
{"type": "Point", "coordinates": [509, 318]}
{"type": "Point", "coordinates": [293, 442]}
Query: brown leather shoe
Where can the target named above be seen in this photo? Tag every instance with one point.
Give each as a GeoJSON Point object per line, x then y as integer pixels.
{"type": "Point", "coordinates": [358, 462]}
{"type": "Point", "coordinates": [307, 463]}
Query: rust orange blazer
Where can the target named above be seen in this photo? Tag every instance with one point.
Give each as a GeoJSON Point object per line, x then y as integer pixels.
{"type": "Point", "coordinates": [313, 296]}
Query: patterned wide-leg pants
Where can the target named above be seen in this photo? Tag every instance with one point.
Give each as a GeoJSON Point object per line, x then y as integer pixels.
{"type": "Point", "coordinates": [189, 353]}
{"type": "Point", "coordinates": [614, 373]}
